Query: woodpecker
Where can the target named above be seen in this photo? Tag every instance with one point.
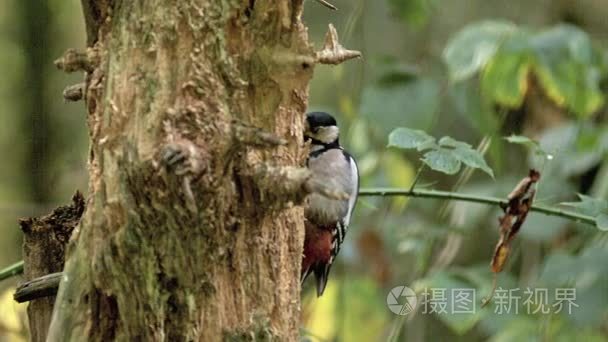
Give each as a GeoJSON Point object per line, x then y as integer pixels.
{"type": "Point", "coordinates": [327, 219]}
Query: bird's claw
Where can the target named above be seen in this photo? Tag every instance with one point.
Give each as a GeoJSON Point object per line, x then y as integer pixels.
{"type": "Point", "coordinates": [172, 155]}
{"type": "Point", "coordinates": [181, 158]}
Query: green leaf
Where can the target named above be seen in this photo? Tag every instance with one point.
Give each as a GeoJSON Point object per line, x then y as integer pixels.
{"type": "Point", "coordinates": [589, 206]}
{"type": "Point", "coordinates": [409, 138]}
{"type": "Point", "coordinates": [451, 142]}
{"type": "Point", "coordinates": [523, 140]}
{"type": "Point", "coordinates": [563, 59]}
{"type": "Point", "coordinates": [473, 159]}
{"type": "Point", "coordinates": [464, 153]}
{"type": "Point", "coordinates": [568, 70]}
{"type": "Point", "coordinates": [601, 221]}
{"type": "Point", "coordinates": [474, 46]}
{"type": "Point", "coordinates": [442, 160]}
{"type": "Point", "coordinates": [427, 145]}
{"type": "Point", "coordinates": [520, 139]}
{"type": "Point", "coordinates": [505, 79]}
{"type": "Point", "coordinates": [567, 40]}
{"type": "Point", "coordinates": [571, 85]}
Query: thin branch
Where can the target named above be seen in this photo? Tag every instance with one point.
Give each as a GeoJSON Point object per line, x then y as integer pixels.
{"type": "Point", "coordinates": [417, 177]}
{"type": "Point", "coordinates": [12, 270]}
{"type": "Point", "coordinates": [17, 268]}
{"type": "Point", "coordinates": [387, 192]}
{"type": "Point", "coordinates": [327, 4]}
{"type": "Point", "coordinates": [41, 287]}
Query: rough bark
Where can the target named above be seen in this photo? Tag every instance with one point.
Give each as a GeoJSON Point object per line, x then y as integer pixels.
{"type": "Point", "coordinates": [44, 241]}
{"type": "Point", "coordinates": [180, 239]}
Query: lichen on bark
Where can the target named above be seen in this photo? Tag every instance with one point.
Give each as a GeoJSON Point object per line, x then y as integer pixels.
{"type": "Point", "coordinates": [178, 241]}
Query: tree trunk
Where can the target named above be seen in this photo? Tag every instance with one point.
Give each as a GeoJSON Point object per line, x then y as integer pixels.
{"type": "Point", "coordinates": [195, 111]}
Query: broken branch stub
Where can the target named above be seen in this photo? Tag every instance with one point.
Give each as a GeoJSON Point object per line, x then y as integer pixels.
{"type": "Point", "coordinates": [44, 244]}
{"type": "Point", "coordinates": [255, 136]}
{"type": "Point", "coordinates": [73, 60]}
{"type": "Point", "coordinates": [45, 286]}
{"type": "Point", "coordinates": [74, 92]}
{"type": "Point", "coordinates": [333, 52]}
{"type": "Point", "coordinates": [293, 181]}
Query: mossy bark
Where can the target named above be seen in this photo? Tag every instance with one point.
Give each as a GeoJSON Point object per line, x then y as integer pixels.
{"type": "Point", "coordinates": [197, 251]}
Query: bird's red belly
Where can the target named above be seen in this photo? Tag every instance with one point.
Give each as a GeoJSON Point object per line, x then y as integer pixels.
{"type": "Point", "coordinates": [317, 246]}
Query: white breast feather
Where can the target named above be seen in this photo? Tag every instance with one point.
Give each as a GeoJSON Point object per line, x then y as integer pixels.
{"type": "Point", "coordinates": [354, 174]}
{"type": "Point", "coordinates": [333, 169]}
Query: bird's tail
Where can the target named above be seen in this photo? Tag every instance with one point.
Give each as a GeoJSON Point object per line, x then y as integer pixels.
{"type": "Point", "coordinates": [321, 274]}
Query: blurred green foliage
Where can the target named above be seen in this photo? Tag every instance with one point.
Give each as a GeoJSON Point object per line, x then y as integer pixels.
{"type": "Point", "coordinates": [594, 207]}
{"type": "Point", "coordinates": [509, 86]}
{"type": "Point", "coordinates": [563, 59]}
{"type": "Point", "coordinates": [414, 12]}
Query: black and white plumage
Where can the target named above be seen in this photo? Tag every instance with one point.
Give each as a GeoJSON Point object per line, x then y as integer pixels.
{"type": "Point", "coordinates": [327, 219]}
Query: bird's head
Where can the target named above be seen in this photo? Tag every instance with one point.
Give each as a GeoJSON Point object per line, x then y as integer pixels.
{"type": "Point", "coordinates": [321, 128]}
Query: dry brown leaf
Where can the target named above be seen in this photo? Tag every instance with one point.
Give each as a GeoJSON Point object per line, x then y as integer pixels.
{"type": "Point", "coordinates": [516, 210]}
